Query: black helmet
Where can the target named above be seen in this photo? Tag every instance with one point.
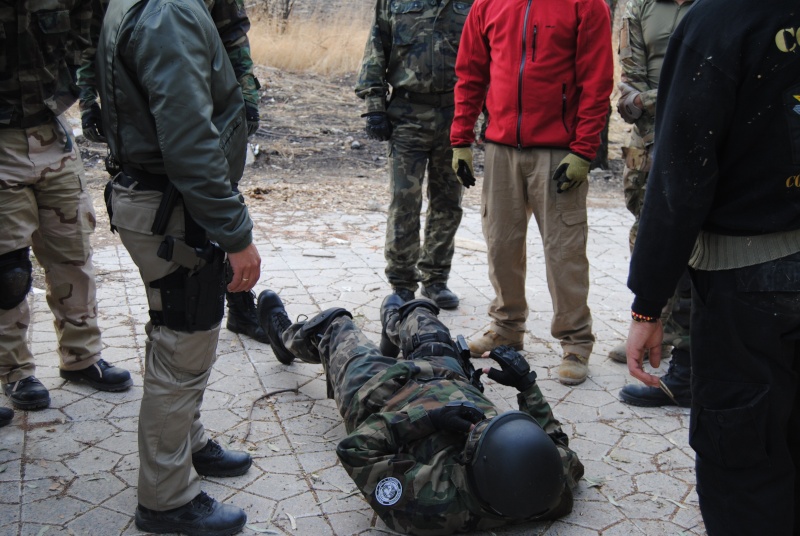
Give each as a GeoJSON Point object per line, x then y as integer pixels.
{"type": "Point", "coordinates": [514, 467]}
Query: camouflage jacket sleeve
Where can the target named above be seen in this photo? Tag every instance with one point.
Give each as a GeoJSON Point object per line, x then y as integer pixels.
{"type": "Point", "coordinates": [633, 60]}
{"type": "Point", "coordinates": [372, 85]}
{"type": "Point", "coordinates": [410, 492]}
{"type": "Point", "coordinates": [232, 22]}
{"type": "Point", "coordinates": [533, 403]}
{"type": "Point", "coordinates": [87, 79]}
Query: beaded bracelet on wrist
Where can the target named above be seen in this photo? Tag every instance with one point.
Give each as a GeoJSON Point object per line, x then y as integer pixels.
{"type": "Point", "coordinates": [642, 318]}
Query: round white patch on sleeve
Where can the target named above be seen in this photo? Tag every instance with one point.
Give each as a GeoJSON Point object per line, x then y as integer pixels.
{"type": "Point", "coordinates": [388, 491]}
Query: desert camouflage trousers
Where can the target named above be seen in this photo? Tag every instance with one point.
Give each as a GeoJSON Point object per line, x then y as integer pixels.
{"type": "Point", "coordinates": [45, 205]}
{"type": "Point", "coordinates": [421, 142]}
{"type": "Point", "coordinates": [675, 315]}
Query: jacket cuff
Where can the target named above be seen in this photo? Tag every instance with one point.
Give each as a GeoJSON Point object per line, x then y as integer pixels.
{"type": "Point", "coordinates": [645, 307]}
{"type": "Point", "coordinates": [376, 104]}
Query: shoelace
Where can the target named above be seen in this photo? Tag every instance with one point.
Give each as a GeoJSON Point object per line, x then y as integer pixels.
{"type": "Point", "coordinates": [281, 322]}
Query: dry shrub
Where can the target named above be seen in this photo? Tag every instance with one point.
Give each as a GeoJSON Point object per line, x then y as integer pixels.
{"type": "Point", "coordinates": [327, 47]}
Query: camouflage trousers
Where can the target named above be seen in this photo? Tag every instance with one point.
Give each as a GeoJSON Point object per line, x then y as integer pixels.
{"type": "Point", "coordinates": [45, 205]}
{"type": "Point", "coordinates": [675, 315]}
{"type": "Point", "coordinates": [352, 359]}
{"type": "Point", "coordinates": [421, 142]}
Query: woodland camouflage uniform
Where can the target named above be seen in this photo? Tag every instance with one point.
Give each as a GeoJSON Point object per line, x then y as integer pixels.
{"type": "Point", "coordinates": [646, 28]}
{"type": "Point", "coordinates": [232, 23]}
{"type": "Point", "coordinates": [384, 401]}
{"type": "Point", "coordinates": [412, 50]}
{"type": "Point", "coordinates": [43, 192]}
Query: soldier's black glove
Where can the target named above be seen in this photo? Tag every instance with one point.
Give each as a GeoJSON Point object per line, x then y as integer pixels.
{"type": "Point", "coordinates": [251, 114]}
{"type": "Point", "coordinates": [515, 369]}
{"type": "Point", "coordinates": [456, 416]}
{"type": "Point", "coordinates": [378, 126]}
{"type": "Point", "coordinates": [92, 124]}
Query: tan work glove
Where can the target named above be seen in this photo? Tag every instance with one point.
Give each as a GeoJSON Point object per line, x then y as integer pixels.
{"type": "Point", "coordinates": [462, 165]}
{"type": "Point", "coordinates": [571, 171]}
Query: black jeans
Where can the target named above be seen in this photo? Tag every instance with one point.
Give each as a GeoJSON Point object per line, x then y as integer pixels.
{"type": "Point", "coordinates": [745, 419]}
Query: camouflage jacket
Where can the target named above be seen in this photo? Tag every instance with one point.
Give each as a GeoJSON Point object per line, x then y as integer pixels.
{"type": "Point", "coordinates": [396, 439]}
{"type": "Point", "coordinates": [412, 45]}
{"type": "Point", "coordinates": [40, 46]}
{"type": "Point", "coordinates": [646, 28]}
{"type": "Point", "coordinates": [232, 23]}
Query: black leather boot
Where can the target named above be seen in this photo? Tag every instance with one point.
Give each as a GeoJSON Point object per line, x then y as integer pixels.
{"type": "Point", "coordinates": [242, 316]}
{"type": "Point", "coordinates": [6, 414]}
{"type": "Point", "coordinates": [27, 393]}
{"type": "Point", "coordinates": [102, 375]}
{"type": "Point", "coordinates": [213, 460]}
{"type": "Point", "coordinates": [389, 307]}
{"type": "Point", "coordinates": [274, 321]}
{"type": "Point", "coordinates": [677, 379]}
{"type": "Point", "coordinates": [202, 516]}
{"type": "Point", "coordinates": [441, 295]}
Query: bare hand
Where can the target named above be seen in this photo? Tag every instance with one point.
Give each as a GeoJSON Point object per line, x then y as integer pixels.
{"type": "Point", "coordinates": [644, 336]}
{"type": "Point", "coordinates": [246, 266]}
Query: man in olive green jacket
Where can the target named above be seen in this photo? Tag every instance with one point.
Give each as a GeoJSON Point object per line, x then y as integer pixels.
{"type": "Point", "coordinates": [175, 119]}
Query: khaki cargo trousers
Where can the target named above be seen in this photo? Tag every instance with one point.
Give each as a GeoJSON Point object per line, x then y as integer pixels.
{"type": "Point", "coordinates": [45, 205]}
{"type": "Point", "coordinates": [516, 185]}
{"type": "Point", "coordinates": [177, 364]}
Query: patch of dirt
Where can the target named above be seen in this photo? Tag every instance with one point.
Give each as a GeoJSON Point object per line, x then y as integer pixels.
{"type": "Point", "coordinates": [311, 153]}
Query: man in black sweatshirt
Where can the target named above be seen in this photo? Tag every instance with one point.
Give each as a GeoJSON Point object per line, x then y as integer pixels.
{"type": "Point", "coordinates": [724, 197]}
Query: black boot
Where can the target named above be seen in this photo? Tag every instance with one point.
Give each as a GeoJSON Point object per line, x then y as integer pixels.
{"type": "Point", "coordinates": [389, 307]}
{"type": "Point", "coordinates": [274, 321]}
{"type": "Point", "coordinates": [441, 295]}
{"type": "Point", "coordinates": [27, 393]}
{"type": "Point", "coordinates": [6, 414]}
{"type": "Point", "coordinates": [213, 460]}
{"type": "Point", "coordinates": [310, 336]}
{"type": "Point", "coordinates": [202, 516]}
{"type": "Point", "coordinates": [677, 379]}
{"type": "Point", "coordinates": [242, 317]}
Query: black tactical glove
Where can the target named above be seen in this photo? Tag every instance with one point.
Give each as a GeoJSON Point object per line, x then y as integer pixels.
{"type": "Point", "coordinates": [515, 369]}
{"type": "Point", "coordinates": [456, 416]}
{"type": "Point", "coordinates": [378, 126]}
{"type": "Point", "coordinates": [251, 114]}
{"type": "Point", "coordinates": [92, 124]}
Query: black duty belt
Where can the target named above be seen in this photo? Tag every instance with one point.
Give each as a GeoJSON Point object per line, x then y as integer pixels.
{"type": "Point", "coordinates": [142, 180]}
{"type": "Point", "coordinates": [437, 100]}
{"type": "Point", "coordinates": [18, 121]}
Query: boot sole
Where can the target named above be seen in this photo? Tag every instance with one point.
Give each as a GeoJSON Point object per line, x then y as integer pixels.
{"type": "Point", "coordinates": [247, 333]}
{"type": "Point", "coordinates": [34, 404]}
{"type": "Point", "coordinates": [161, 527]}
{"type": "Point", "coordinates": [238, 471]}
{"type": "Point", "coordinates": [75, 376]}
{"type": "Point", "coordinates": [444, 304]}
{"type": "Point", "coordinates": [651, 403]}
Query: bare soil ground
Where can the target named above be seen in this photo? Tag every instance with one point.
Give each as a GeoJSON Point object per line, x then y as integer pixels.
{"type": "Point", "coordinates": [311, 153]}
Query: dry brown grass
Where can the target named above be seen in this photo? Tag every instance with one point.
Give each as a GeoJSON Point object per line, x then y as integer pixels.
{"type": "Point", "coordinates": [327, 47]}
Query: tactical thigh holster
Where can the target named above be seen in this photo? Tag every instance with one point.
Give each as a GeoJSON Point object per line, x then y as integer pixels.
{"type": "Point", "coordinates": [193, 296]}
{"type": "Point", "coordinates": [193, 300]}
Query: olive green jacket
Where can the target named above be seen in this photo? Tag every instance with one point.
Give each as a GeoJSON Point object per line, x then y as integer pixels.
{"type": "Point", "coordinates": [172, 106]}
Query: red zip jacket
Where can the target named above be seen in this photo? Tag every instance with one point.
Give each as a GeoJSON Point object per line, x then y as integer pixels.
{"type": "Point", "coordinates": [544, 69]}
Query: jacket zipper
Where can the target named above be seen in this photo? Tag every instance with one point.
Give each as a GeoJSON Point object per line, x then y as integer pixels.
{"type": "Point", "coordinates": [521, 70]}
{"type": "Point", "coordinates": [564, 106]}
{"type": "Point", "coordinates": [533, 47]}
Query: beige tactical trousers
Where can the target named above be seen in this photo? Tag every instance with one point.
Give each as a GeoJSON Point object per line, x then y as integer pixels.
{"type": "Point", "coordinates": [518, 184]}
{"type": "Point", "coordinates": [44, 204]}
{"type": "Point", "coordinates": [177, 365]}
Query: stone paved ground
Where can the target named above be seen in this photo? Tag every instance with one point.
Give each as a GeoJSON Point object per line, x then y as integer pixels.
{"type": "Point", "coordinates": [71, 469]}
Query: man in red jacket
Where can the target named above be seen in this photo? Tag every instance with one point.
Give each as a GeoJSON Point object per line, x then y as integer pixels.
{"type": "Point", "coordinates": [544, 71]}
